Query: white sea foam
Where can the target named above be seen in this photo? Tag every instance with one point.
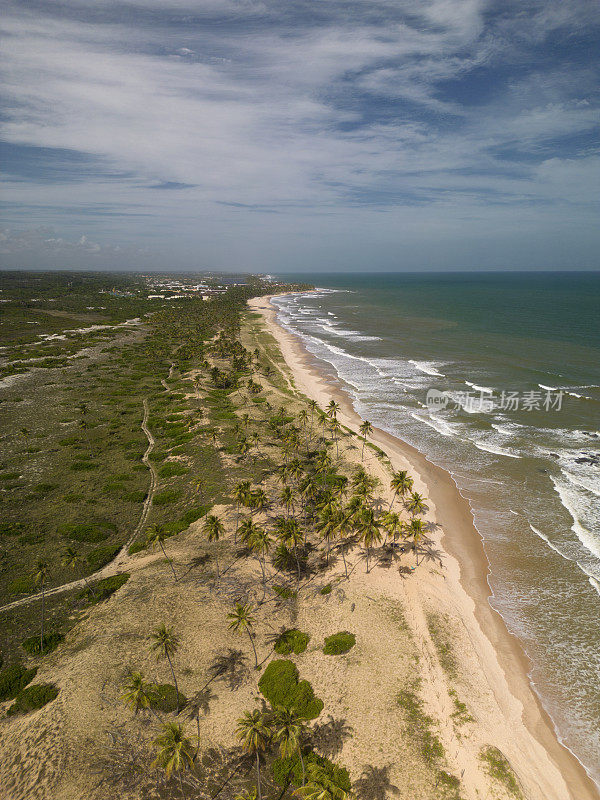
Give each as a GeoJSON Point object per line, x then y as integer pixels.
{"type": "Point", "coordinates": [436, 423]}
{"type": "Point", "coordinates": [549, 543]}
{"type": "Point", "coordinates": [595, 583]}
{"type": "Point", "coordinates": [477, 388]}
{"type": "Point", "coordinates": [589, 482]}
{"type": "Point", "coordinates": [577, 504]}
{"type": "Point", "coordinates": [499, 451]}
{"type": "Point", "coordinates": [427, 367]}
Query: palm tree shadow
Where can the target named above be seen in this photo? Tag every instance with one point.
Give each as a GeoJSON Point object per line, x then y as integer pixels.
{"type": "Point", "coordinates": [231, 667]}
{"type": "Point", "coordinates": [200, 702]}
{"type": "Point", "coordinates": [433, 555]}
{"type": "Point", "coordinates": [374, 783]}
{"type": "Point", "coordinates": [329, 737]}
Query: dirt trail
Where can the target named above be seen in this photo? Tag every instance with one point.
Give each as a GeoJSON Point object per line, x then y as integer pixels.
{"type": "Point", "coordinates": [113, 567]}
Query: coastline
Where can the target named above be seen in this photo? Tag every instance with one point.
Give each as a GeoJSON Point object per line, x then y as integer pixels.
{"type": "Point", "coordinates": [511, 715]}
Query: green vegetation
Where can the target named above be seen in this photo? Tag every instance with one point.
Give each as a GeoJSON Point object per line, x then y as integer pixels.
{"type": "Point", "coordinates": [100, 556]}
{"type": "Point", "coordinates": [339, 643]}
{"type": "Point", "coordinates": [32, 698]}
{"type": "Point", "coordinates": [166, 698]}
{"type": "Point", "coordinates": [33, 645]}
{"type": "Point", "coordinates": [438, 629]}
{"type": "Point", "coordinates": [279, 684]}
{"type": "Point", "coordinates": [498, 766]}
{"type": "Point", "coordinates": [288, 771]}
{"type": "Point", "coordinates": [13, 679]}
{"type": "Point", "coordinates": [104, 589]}
{"type": "Point", "coordinates": [326, 589]}
{"type": "Point", "coordinates": [291, 641]}
{"type": "Point", "coordinates": [420, 724]}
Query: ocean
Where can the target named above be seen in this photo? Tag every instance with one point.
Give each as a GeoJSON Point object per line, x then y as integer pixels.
{"type": "Point", "coordinates": [496, 378]}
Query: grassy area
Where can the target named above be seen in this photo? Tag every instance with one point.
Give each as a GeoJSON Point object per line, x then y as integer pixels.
{"type": "Point", "coordinates": [498, 767]}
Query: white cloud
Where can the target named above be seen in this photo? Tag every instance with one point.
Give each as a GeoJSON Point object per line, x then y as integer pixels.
{"type": "Point", "coordinates": [313, 118]}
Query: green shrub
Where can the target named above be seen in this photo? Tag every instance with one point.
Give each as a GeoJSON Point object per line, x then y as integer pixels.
{"type": "Point", "coordinates": [279, 684]}
{"type": "Point", "coordinates": [22, 585]}
{"type": "Point", "coordinates": [326, 589]}
{"type": "Point", "coordinates": [284, 592]}
{"type": "Point", "coordinates": [32, 698]}
{"type": "Point", "coordinates": [13, 679]}
{"type": "Point", "coordinates": [51, 641]}
{"type": "Point", "coordinates": [87, 531]}
{"type": "Point", "coordinates": [166, 497]}
{"type": "Point", "coordinates": [193, 514]}
{"type": "Point", "coordinates": [288, 771]}
{"type": "Point", "coordinates": [292, 641]}
{"type": "Point", "coordinates": [166, 699]}
{"type": "Point", "coordinates": [104, 588]}
{"type": "Point", "coordinates": [171, 469]}
{"type": "Point", "coordinates": [136, 547]}
{"type": "Point", "coordinates": [100, 556]}
{"type": "Point", "coordinates": [339, 643]}
{"type": "Point", "coordinates": [137, 496]}
{"type": "Point", "coordinates": [83, 466]}
{"type": "Point", "coordinates": [498, 766]}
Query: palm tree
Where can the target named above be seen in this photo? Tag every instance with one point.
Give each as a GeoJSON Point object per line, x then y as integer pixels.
{"type": "Point", "coordinates": [328, 522]}
{"type": "Point", "coordinates": [369, 529]}
{"type": "Point", "coordinates": [260, 543]}
{"type": "Point", "coordinates": [366, 429]}
{"type": "Point", "coordinates": [416, 529]}
{"type": "Point", "coordinates": [321, 787]}
{"type": "Point", "coordinates": [289, 533]}
{"type": "Point", "coordinates": [248, 530]}
{"type": "Point", "coordinates": [254, 733]}
{"type": "Point", "coordinates": [288, 732]}
{"type": "Point", "coordinates": [401, 483]}
{"type": "Point", "coordinates": [332, 409]}
{"type": "Point", "coordinates": [259, 500]}
{"type": "Point", "coordinates": [242, 620]}
{"type": "Point", "coordinates": [287, 498]}
{"type": "Point", "coordinates": [416, 504]}
{"type": "Point", "coordinates": [139, 694]}
{"type": "Point", "coordinates": [335, 428]}
{"type": "Point", "coordinates": [214, 529]}
{"type": "Point", "coordinates": [155, 537]}
{"type": "Point", "coordinates": [392, 524]}
{"type": "Point", "coordinates": [312, 404]}
{"type": "Point", "coordinates": [165, 643]}
{"type": "Point", "coordinates": [72, 559]}
{"type": "Point", "coordinates": [41, 572]}
{"type": "Point", "coordinates": [175, 751]}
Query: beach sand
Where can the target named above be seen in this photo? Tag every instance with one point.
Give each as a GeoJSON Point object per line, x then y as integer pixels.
{"type": "Point", "coordinates": [491, 669]}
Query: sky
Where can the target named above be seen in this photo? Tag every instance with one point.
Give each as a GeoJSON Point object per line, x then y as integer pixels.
{"type": "Point", "coordinates": [286, 135]}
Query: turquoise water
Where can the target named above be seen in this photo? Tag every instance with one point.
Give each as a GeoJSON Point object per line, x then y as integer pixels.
{"type": "Point", "coordinates": [528, 459]}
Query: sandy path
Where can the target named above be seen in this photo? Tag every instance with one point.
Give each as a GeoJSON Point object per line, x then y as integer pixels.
{"type": "Point", "coordinates": [122, 556]}
{"type": "Point", "coordinates": [493, 667]}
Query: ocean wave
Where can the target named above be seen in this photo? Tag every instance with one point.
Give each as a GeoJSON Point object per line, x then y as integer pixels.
{"type": "Point", "coordinates": [353, 336]}
{"type": "Point", "coordinates": [477, 388]}
{"type": "Point", "coordinates": [499, 451]}
{"type": "Point", "coordinates": [549, 543]}
{"type": "Point", "coordinates": [577, 504]}
{"type": "Point", "coordinates": [436, 423]}
{"type": "Point", "coordinates": [427, 367]}
{"type": "Point", "coordinates": [583, 481]}
{"type": "Point", "coordinates": [594, 583]}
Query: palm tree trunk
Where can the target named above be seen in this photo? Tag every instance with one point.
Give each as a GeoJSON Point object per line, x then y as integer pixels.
{"type": "Point", "coordinates": [258, 774]}
{"type": "Point", "coordinates": [253, 647]}
{"type": "Point", "coordinates": [362, 452]}
{"type": "Point", "coordinates": [162, 547]}
{"type": "Point", "coordinates": [43, 612]}
{"type": "Point", "coordinates": [174, 679]}
{"type": "Point", "coordinates": [367, 560]}
{"type": "Point", "coordinates": [198, 732]}
{"type": "Point", "coordinates": [344, 559]}
{"type": "Point", "coordinates": [302, 762]}
{"type": "Point", "coordinates": [392, 500]}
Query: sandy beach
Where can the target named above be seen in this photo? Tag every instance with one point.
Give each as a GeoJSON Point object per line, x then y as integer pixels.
{"type": "Point", "coordinates": [493, 668]}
